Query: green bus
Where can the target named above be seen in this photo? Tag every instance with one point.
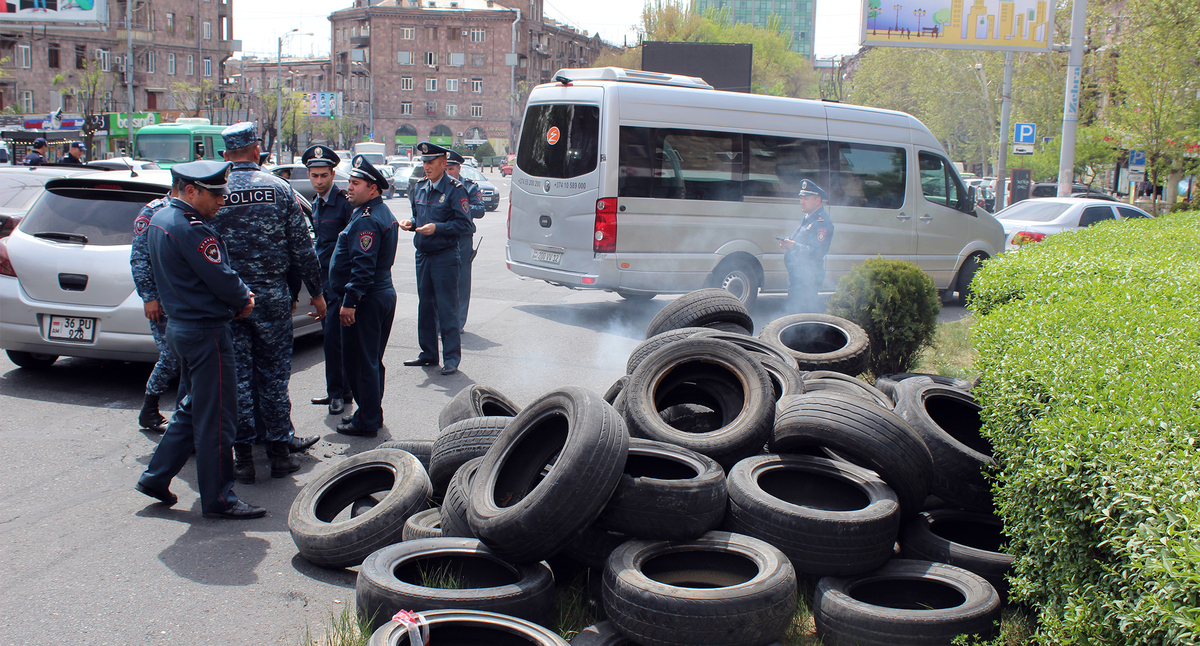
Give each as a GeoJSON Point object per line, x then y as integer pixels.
{"type": "Point", "coordinates": [187, 139]}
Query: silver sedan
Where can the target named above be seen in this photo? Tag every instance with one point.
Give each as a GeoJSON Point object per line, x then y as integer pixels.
{"type": "Point", "coordinates": [1033, 219]}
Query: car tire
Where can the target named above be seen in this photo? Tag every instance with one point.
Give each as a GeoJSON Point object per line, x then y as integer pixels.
{"type": "Point", "coordinates": [460, 442]}
{"type": "Point", "coordinates": [869, 436]}
{"type": "Point", "coordinates": [667, 492]}
{"type": "Point", "coordinates": [964, 539]}
{"type": "Point", "coordinates": [785, 379]}
{"type": "Point", "coordinates": [423, 524]}
{"type": "Point", "coordinates": [829, 518]}
{"type": "Point", "coordinates": [904, 602]}
{"type": "Point", "coordinates": [647, 347]}
{"type": "Point", "coordinates": [741, 278]}
{"type": "Point", "coordinates": [476, 401]}
{"type": "Point", "coordinates": [311, 519]}
{"type": "Point", "coordinates": [615, 389]}
{"type": "Point", "coordinates": [454, 505]}
{"type": "Point", "coordinates": [721, 588]}
{"type": "Point", "coordinates": [966, 274]}
{"type": "Point", "coordinates": [757, 348]}
{"type": "Point", "coordinates": [887, 383]}
{"type": "Point", "coordinates": [31, 360]}
{"type": "Point", "coordinates": [422, 449]}
{"type": "Point", "coordinates": [470, 627]}
{"type": "Point", "coordinates": [701, 308]}
{"type": "Point", "coordinates": [825, 380]}
{"type": "Point", "coordinates": [821, 342]}
{"type": "Point", "coordinates": [526, 513]}
{"type": "Point", "coordinates": [390, 580]}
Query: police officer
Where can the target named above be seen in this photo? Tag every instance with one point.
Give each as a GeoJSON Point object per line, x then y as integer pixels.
{"type": "Point", "coordinates": [360, 275]}
{"type": "Point", "coordinates": [74, 154]}
{"type": "Point", "coordinates": [264, 228]}
{"type": "Point", "coordinates": [331, 214]}
{"type": "Point", "coordinates": [200, 294]}
{"type": "Point", "coordinates": [804, 251]}
{"type": "Point", "coordinates": [466, 248]}
{"type": "Point", "coordinates": [167, 367]}
{"type": "Point", "coordinates": [441, 213]}
{"type": "Point", "coordinates": [37, 156]}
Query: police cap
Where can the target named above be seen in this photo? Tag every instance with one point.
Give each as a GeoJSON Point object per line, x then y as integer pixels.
{"type": "Point", "coordinates": [363, 169]}
{"type": "Point", "coordinates": [77, 144]}
{"type": "Point", "coordinates": [240, 135]}
{"type": "Point", "coordinates": [430, 152]}
{"type": "Point", "coordinates": [318, 156]}
{"type": "Point", "coordinates": [39, 142]}
{"type": "Point", "coordinates": [809, 187]}
{"type": "Point", "coordinates": [211, 175]}
{"type": "Point", "coordinates": [454, 158]}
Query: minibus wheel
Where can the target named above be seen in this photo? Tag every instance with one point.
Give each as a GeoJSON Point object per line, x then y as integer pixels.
{"type": "Point", "coordinates": [740, 278]}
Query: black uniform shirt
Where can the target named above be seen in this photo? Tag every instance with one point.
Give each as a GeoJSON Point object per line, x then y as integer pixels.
{"type": "Point", "coordinates": [331, 214]}
{"type": "Point", "coordinates": [366, 249]}
{"type": "Point", "coordinates": [446, 204]}
{"type": "Point", "coordinates": [812, 237]}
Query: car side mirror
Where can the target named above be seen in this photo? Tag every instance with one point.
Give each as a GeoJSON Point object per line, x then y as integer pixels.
{"type": "Point", "coordinates": [972, 198]}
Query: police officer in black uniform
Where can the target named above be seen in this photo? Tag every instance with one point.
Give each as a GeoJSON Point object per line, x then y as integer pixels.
{"type": "Point", "coordinates": [441, 213]}
{"type": "Point", "coordinates": [37, 156]}
{"type": "Point", "coordinates": [74, 154]}
{"type": "Point", "coordinates": [804, 251]}
{"type": "Point", "coordinates": [331, 214]}
{"type": "Point", "coordinates": [466, 248]}
{"type": "Point", "coordinates": [201, 294]}
{"type": "Point", "coordinates": [360, 275]}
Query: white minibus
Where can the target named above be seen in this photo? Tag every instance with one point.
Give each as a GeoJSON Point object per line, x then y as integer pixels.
{"type": "Point", "coordinates": [643, 183]}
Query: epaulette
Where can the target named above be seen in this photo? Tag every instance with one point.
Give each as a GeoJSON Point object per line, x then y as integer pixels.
{"type": "Point", "coordinates": [468, 180]}
{"type": "Point", "coordinates": [454, 181]}
{"type": "Point", "coordinates": [366, 212]}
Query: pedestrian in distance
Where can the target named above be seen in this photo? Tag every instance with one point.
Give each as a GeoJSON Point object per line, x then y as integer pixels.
{"type": "Point", "coordinates": [74, 154]}
{"type": "Point", "coordinates": [360, 275]}
{"type": "Point", "coordinates": [264, 229]}
{"type": "Point", "coordinates": [167, 366]}
{"type": "Point", "coordinates": [466, 244]}
{"type": "Point", "coordinates": [804, 251]}
{"type": "Point", "coordinates": [37, 156]}
{"type": "Point", "coordinates": [331, 214]}
{"type": "Point", "coordinates": [440, 214]}
{"type": "Point", "coordinates": [200, 294]}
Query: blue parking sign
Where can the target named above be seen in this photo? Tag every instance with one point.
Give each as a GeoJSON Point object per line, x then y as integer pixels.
{"type": "Point", "coordinates": [1137, 160]}
{"type": "Point", "coordinates": [1024, 133]}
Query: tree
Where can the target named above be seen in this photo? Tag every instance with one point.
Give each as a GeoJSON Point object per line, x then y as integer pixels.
{"type": "Point", "coordinates": [89, 85]}
{"type": "Point", "coordinates": [873, 12]}
{"type": "Point", "coordinates": [1095, 152]}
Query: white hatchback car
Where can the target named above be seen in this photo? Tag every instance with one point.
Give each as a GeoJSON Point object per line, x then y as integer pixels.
{"type": "Point", "coordinates": [66, 288]}
{"type": "Point", "coordinates": [1033, 219]}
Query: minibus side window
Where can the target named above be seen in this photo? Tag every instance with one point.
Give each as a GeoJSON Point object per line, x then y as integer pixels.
{"type": "Point", "coordinates": [634, 177]}
{"type": "Point", "coordinates": [698, 165]}
{"type": "Point", "coordinates": [777, 165]}
{"type": "Point", "coordinates": [867, 176]}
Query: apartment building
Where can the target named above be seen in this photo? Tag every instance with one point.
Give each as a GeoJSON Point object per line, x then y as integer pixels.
{"type": "Point", "coordinates": [798, 17]}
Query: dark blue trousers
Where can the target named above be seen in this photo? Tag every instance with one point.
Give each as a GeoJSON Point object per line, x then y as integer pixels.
{"type": "Point", "coordinates": [263, 345]}
{"type": "Point", "coordinates": [205, 419]}
{"type": "Point", "coordinates": [362, 345]}
{"type": "Point", "coordinates": [437, 309]}
{"type": "Point", "coordinates": [465, 248]}
{"type": "Point", "coordinates": [805, 278]}
{"type": "Point", "coordinates": [336, 384]}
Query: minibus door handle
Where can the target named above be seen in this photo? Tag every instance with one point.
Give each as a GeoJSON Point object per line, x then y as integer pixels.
{"type": "Point", "coordinates": [902, 216]}
{"type": "Point", "coordinates": [926, 218]}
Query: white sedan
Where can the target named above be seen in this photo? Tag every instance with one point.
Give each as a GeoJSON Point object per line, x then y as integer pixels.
{"type": "Point", "coordinates": [1033, 219]}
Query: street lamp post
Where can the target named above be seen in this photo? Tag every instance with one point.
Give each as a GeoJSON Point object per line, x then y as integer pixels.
{"type": "Point", "coordinates": [371, 104]}
{"type": "Point", "coordinates": [279, 89]}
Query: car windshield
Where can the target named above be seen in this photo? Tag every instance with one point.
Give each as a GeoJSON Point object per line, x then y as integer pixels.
{"type": "Point", "coordinates": [473, 174]}
{"type": "Point", "coordinates": [105, 218]}
{"type": "Point", "coordinates": [19, 193]}
{"type": "Point", "coordinates": [173, 149]}
{"type": "Point", "coordinates": [1033, 211]}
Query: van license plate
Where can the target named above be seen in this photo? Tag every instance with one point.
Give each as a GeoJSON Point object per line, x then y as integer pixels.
{"type": "Point", "coordinates": [72, 328]}
{"type": "Point", "coordinates": [547, 256]}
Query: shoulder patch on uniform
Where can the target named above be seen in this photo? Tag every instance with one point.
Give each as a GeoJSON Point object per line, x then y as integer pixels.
{"type": "Point", "coordinates": [822, 234]}
{"type": "Point", "coordinates": [366, 239]}
{"type": "Point", "coordinates": [464, 203]}
{"type": "Point", "coordinates": [140, 224]}
{"type": "Point", "coordinates": [211, 250]}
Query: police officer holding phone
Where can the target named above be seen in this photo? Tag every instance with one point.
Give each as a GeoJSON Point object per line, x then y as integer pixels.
{"type": "Point", "coordinates": [201, 294]}
{"type": "Point", "coordinates": [804, 251]}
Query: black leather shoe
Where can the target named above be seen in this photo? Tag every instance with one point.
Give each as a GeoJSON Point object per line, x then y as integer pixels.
{"type": "Point", "coordinates": [346, 419]}
{"type": "Point", "coordinates": [163, 495]}
{"type": "Point", "coordinates": [302, 444]}
{"type": "Point", "coordinates": [420, 362]}
{"type": "Point", "coordinates": [239, 511]}
{"type": "Point", "coordinates": [351, 429]}
{"type": "Point", "coordinates": [336, 406]}
{"type": "Point", "coordinates": [321, 401]}
{"type": "Point", "coordinates": [152, 421]}
{"type": "Point", "coordinates": [449, 370]}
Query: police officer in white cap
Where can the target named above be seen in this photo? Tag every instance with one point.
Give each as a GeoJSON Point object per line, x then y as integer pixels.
{"type": "Point", "coordinates": [804, 251]}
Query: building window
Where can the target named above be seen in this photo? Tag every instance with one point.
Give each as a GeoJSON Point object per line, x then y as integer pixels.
{"type": "Point", "coordinates": [477, 110]}
{"type": "Point", "coordinates": [451, 109]}
{"type": "Point", "coordinates": [24, 56]}
{"type": "Point", "coordinates": [26, 101]}
{"type": "Point", "coordinates": [406, 82]}
{"type": "Point", "coordinates": [52, 57]}
{"type": "Point", "coordinates": [478, 60]}
{"type": "Point", "coordinates": [477, 85]}
{"type": "Point", "coordinates": [191, 65]}
{"type": "Point", "coordinates": [477, 35]}
{"type": "Point", "coordinates": [452, 33]}
{"type": "Point", "coordinates": [151, 29]}
{"type": "Point", "coordinates": [105, 59]}
{"type": "Point", "coordinates": [431, 58]}
{"type": "Point", "coordinates": [406, 107]}
{"type": "Point", "coordinates": [431, 33]}
{"type": "Point", "coordinates": [80, 56]}
{"type": "Point", "coordinates": [431, 85]}
{"type": "Point", "coordinates": [170, 23]}
{"type": "Point", "coordinates": [365, 31]}
{"type": "Point", "coordinates": [207, 29]}
{"type": "Point", "coordinates": [189, 30]}
{"type": "Point", "coordinates": [207, 66]}
{"type": "Point", "coordinates": [406, 58]}
{"type": "Point", "coordinates": [456, 59]}
{"type": "Point", "coordinates": [431, 108]}
{"type": "Point", "coordinates": [408, 33]}
{"type": "Point", "coordinates": [451, 85]}
{"type": "Point", "coordinates": [354, 32]}
{"type": "Point", "coordinates": [150, 56]}
{"type": "Point", "coordinates": [171, 63]}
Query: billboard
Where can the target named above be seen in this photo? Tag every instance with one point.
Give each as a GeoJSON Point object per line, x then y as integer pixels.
{"type": "Point", "coordinates": [725, 66]}
{"type": "Point", "coordinates": [52, 10]}
{"type": "Point", "coordinates": [998, 25]}
{"type": "Point", "coordinates": [321, 104]}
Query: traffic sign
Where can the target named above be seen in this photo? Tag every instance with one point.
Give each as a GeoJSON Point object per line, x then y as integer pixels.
{"type": "Point", "coordinates": [1021, 149]}
{"type": "Point", "coordinates": [1024, 133]}
{"type": "Point", "coordinates": [1137, 176]}
{"type": "Point", "coordinates": [1137, 160]}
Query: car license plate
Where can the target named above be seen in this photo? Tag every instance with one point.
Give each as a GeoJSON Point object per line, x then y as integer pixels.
{"type": "Point", "coordinates": [72, 328]}
{"type": "Point", "coordinates": [551, 257]}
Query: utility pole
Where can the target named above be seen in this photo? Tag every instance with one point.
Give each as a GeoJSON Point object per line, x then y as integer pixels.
{"type": "Point", "coordinates": [1066, 158]}
{"type": "Point", "coordinates": [279, 103]}
{"type": "Point", "coordinates": [1005, 108]}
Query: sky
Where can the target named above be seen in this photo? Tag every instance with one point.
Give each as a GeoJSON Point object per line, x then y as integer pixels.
{"type": "Point", "coordinates": [260, 23]}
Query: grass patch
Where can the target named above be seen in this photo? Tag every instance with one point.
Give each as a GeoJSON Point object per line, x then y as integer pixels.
{"type": "Point", "coordinates": [344, 629]}
{"type": "Point", "coordinates": [573, 610]}
{"type": "Point", "coordinates": [443, 577]}
{"type": "Point", "coordinates": [952, 353]}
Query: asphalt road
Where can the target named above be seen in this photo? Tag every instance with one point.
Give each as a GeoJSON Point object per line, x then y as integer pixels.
{"type": "Point", "coordinates": [85, 559]}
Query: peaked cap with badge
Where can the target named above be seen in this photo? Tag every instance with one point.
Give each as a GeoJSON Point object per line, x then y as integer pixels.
{"type": "Point", "coordinates": [240, 135]}
{"type": "Point", "coordinates": [362, 168]}
{"type": "Point", "coordinates": [809, 187]}
{"type": "Point", "coordinates": [318, 156]}
{"type": "Point", "coordinates": [430, 152]}
{"type": "Point", "coordinates": [211, 175]}
{"type": "Point", "coordinates": [454, 158]}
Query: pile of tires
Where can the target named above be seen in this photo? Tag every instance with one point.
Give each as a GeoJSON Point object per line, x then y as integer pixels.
{"type": "Point", "coordinates": [699, 489]}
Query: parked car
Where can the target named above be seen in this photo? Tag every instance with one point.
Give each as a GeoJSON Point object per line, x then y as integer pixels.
{"type": "Point", "coordinates": [65, 283]}
{"type": "Point", "coordinates": [21, 185]}
{"type": "Point", "coordinates": [389, 173]}
{"type": "Point", "coordinates": [403, 170]}
{"type": "Point", "coordinates": [1050, 189]}
{"type": "Point", "coordinates": [470, 160]}
{"type": "Point", "coordinates": [297, 175]}
{"type": "Point", "coordinates": [487, 190]}
{"type": "Point", "coordinates": [123, 163]}
{"type": "Point", "coordinates": [1033, 219]}
{"type": "Point", "coordinates": [506, 167]}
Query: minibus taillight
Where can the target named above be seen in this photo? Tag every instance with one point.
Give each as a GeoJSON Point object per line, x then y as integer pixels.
{"type": "Point", "coordinates": [605, 240]}
{"type": "Point", "coordinates": [508, 222]}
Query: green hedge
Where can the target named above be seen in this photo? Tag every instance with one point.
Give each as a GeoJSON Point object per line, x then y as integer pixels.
{"type": "Point", "coordinates": [1089, 347]}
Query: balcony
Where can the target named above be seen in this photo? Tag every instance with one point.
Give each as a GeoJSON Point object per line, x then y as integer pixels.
{"type": "Point", "coordinates": [140, 36]}
{"type": "Point", "coordinates": [359, 42]}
